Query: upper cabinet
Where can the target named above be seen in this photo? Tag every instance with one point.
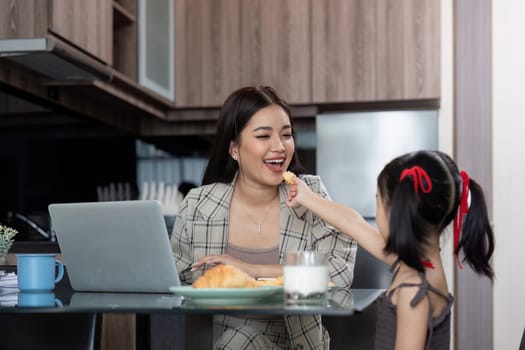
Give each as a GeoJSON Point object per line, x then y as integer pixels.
{"type": "Point", "coordinates": [161, 55]}
{"type": "Point", "coordinates": [125, 40]}
{"type": "Point", "coordinates": [101, 31]}
{"type": "Point", "coordinates": [375, 50]}
{"type": "Point", "coordinates": [275, 46]}
{"type": "Point", "coordinates": [334, 51]}
{"type": "Point", "coordinates": [23, 19]}
{"type": "Point", "coordinates": [222, 45]}
{"type": "Point", "coordinates": [207, 51]}
{"type": "Point", "coordinates": [343, 50]}
{"type": "Point", "coordinates": [86, 24]}
{"type": "Point", "coordinates": [408, 49]}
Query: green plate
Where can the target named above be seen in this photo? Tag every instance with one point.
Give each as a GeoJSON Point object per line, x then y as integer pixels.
{"type": "Point", "coordinates": [226, 295]}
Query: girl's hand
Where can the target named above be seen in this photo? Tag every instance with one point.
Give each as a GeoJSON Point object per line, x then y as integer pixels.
{"type": "Point", "coordinates": [298, 194]}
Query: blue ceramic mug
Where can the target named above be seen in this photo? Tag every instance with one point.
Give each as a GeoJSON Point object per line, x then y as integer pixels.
{"type": "Point", "coordinates": [37, 273]}
{"type": "Point", "coordinates": [38, 299]}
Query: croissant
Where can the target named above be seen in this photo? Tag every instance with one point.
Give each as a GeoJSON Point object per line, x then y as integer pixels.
{"type": "Point", "coordinates": [225, 276]}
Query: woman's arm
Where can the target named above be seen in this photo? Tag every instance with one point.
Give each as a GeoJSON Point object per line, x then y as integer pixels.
{"type": "Point", "coordinates": [181, 246]}
{"type": "Point", "coordinates": [344, 219]}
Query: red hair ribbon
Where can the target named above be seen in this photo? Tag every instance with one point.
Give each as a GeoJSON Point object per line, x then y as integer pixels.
{"type": "Point", "coordinates": [427, 263]}
{"type": "Point", "coordinates": [462, 211]}
{"type": "Point", "coordinates": [418, 174]}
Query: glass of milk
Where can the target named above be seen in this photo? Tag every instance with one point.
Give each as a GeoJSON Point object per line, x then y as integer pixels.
{"type": "Point", "coordinates": [305, 277]}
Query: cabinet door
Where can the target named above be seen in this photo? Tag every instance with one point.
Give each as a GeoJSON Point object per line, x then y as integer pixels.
{"type": "Point", "coordinates": [86, 24]}
{"type": "Point", "coordinates": [23, 19]}
{"type": "Point", "coordinates": [207, 51]}
{"type": "Point", "coordinates": [408, 57]}
{"type": "Point", "coordinates": [275, 46]}
{"type": "Point", "coordinates": [343, 50]}
{"type": "Point", "coordinates": [375, 50]}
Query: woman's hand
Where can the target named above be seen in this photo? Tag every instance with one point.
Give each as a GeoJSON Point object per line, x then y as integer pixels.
{"type": "Point", "coordinates": [254, 270]}
{"type": "Point", "coordinates": [220, 259]}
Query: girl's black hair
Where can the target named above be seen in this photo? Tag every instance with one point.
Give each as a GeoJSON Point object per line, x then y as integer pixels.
{"type": "Point", "coordinates": [235, 113]}
{"type": "Point", "coordinates": [414, 216]}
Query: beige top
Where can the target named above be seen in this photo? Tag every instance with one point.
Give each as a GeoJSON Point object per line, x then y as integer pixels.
{"type": "Point", "coordinates": [263, 256]}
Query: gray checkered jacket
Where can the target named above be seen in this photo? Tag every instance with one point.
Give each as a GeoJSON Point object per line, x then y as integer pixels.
{"type": "Point", "coordinates": [201, 229]}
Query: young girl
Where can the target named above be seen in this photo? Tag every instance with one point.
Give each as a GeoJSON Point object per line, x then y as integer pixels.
{"type": "Point", "coordinates": [418, 195]}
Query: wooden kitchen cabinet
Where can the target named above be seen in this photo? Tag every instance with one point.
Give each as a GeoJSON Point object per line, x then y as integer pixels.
{"type": "Point", "coordinates": [86, 24]}
{"type": "Point", "coordinates": [275, 46]}
{"type": "Point", "coordinates": [408, 49]}
{"type": "Point", "coordinates": [103, 29]}
{"type": "Point", "coordinates": [207, 51]}
{"type": "Point", "coordinates": [125, 37]}
{"type": "Point", "coordinates": [23, 19]}
{"type": "Point", "coordinates": [106, 29]}
{"type": "Point", "coordinates": [222, 45]}
{"type": "Point", "coordinates": [343, 50]}
{"type": "Point", "coordinates": [375, 50]}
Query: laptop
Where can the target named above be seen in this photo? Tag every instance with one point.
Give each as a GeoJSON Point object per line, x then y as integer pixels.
{"type": "Point", "coordinates": [120, 246]}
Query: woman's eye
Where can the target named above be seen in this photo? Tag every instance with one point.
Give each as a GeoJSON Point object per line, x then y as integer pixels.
{"type": "Point", "coordinates": [287, 136]}
{"type": "Point", "coordinates": [262, 136]}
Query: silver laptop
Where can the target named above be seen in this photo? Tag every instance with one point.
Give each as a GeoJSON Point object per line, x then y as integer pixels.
{"type": "Point", "coordinates": [115, 246]}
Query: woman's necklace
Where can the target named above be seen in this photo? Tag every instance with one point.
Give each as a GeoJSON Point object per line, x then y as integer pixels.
{"type": "Point", "coordinates": [266, 212]}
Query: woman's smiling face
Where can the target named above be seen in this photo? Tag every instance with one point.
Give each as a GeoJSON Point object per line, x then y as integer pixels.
{"type": "Point", "coordinates": [265, 146]}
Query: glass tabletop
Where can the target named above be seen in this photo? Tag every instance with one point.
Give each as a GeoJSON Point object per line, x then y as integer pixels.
{"type": "Point", "coordinates": [182, 300]}
{"type": "Point", "coordinates": [340, 302]}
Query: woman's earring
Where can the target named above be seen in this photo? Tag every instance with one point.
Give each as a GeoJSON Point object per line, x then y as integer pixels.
{"type": "Point", "coordinates": [234, 157]}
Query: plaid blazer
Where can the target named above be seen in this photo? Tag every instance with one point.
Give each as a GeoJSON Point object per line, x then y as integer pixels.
{"type": "Point", "coordinates": [202, 225]}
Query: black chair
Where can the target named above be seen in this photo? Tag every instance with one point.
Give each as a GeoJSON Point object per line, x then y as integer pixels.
{"type": "Point", "coordinates": [358, 331]}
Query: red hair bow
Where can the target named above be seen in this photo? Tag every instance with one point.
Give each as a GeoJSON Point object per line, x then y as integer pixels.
{"type": "Point", "coordinates": [420, 177]}
{"type": "Point", "coordinates": [462, 211]}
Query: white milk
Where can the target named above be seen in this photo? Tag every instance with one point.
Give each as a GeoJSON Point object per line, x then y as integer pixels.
{"type": "Point", "coordinates": [305, 280]}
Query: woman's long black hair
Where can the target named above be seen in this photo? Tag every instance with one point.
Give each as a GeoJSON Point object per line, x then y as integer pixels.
{"type": "Point", "coordinates": [414, 216]}
{"type": "Point", "coordinates": [235, 113]}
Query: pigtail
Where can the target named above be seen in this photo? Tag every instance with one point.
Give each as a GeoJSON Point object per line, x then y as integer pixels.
{"type": "Point", "coordinates": [477, 238]}
{"type": "Point", "coordinates": [405, 239]}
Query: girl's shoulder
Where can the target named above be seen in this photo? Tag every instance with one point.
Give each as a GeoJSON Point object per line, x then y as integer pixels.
{"type": "Point", "coordinates": [412, 291]}
{"type": "Point", "coordinates": [406, 283]}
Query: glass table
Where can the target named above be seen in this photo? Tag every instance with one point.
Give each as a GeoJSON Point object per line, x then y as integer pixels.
{"type": "Point", "coordinates": [339, 303]}
{"type": "Point", "coordinates": [185, 313]}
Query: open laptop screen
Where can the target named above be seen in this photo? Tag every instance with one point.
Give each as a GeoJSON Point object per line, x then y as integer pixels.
{"type": "Point", "coordinates": [120, 246]}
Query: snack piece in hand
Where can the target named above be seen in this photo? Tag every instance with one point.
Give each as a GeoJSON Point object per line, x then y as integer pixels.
{"type": "Point", "coordinates": [288, 177]}
{"type": "Point", "coordinates": [225, 276]}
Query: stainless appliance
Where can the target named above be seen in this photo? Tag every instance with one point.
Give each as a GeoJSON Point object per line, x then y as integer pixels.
{"type": "Point", "coordinates": [353, 147]}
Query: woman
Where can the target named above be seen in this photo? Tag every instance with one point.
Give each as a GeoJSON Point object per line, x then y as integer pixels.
{"type": "Point", "coordinates": [239, 217]}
